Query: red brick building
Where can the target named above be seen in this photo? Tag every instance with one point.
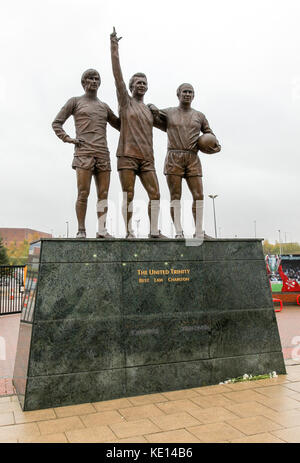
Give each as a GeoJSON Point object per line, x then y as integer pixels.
{"type": "Point", "coordinates": [18, 235]}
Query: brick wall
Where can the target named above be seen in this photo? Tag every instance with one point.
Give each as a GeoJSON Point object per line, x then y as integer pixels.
{"type": "Point", "coordinates": [18, 235]}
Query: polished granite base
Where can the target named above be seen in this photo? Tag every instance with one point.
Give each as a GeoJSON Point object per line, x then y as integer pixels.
{"type": "Point", "coordinates": [104, 319]}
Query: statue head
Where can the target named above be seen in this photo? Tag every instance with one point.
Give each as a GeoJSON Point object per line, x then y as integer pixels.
{"type": "Point", "coordinates": [185, 93]}
{"type": "Point", "coordinates": [90, 79]}
{"type": "Point", "coordinates": [138, 84]}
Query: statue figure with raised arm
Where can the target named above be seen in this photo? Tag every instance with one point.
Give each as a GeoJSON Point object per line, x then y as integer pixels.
{"type": "Point", "coordinates": [91, 156]}
{"type": "Point", "coordinates": [183, 125]}
{"type": "Point", "coordinates": [135, 148]}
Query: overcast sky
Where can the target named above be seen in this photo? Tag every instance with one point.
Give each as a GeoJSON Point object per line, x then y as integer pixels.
{"type": "Point", "coordinates": [241, 57]}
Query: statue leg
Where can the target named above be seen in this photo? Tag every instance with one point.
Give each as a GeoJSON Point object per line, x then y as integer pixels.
{"type": "Point", "coordinates": [127, 179]}
{"type": "Point", "coordinates": [196, 188]}
{"type": "Point", "coordinates": [175, 188]}
{"type": "Point", "coordinates": [102, 180]}
{"type": "Point", "coordinates": [84, 178]}
{"type": "Point", "coordinates": [150, 183]}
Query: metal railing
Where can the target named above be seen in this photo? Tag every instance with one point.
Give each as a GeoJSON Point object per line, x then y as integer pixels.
{"type": "Point", "coordinates": [280, 303]}
{"type": "Point", "coordinates": [12, 284]}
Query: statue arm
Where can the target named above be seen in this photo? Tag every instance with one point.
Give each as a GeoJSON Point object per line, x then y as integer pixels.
{"type": "Point", "coordinates": [113, 120]}
{"type": "Point", "coordinates": [159, 117]}
{"type": "Point", "coordinates": [57, 125]}
{"type": "Point", "coordinates": [205, 128]}
{"type": "Point", "coordinates": [117, 72]}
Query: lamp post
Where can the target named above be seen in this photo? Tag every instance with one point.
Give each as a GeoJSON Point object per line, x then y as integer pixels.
{"type": "Point", "coordinates": [67, 229]}
{"type": "Point", "coordinates": [286, 238]}
{"type": "Point", "coordinates": [280, 251]}
{"type": "Point", "coordinates": [254, 228]}
{"type": "Point", "coordinates": [213, 198]}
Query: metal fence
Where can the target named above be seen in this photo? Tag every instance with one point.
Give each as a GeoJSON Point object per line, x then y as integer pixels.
{"type": "Point", "coordinates": [12, 285]}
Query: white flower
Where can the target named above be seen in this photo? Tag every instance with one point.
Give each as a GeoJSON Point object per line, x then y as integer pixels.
{"type": "Point", "coordinates": [274, 374]}
{"type": "Point", "coordinates": [221, 383]}
{"type": "Point", "coordinates": [245, 376]}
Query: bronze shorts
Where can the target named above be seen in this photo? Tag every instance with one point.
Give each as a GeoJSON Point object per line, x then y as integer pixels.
{"type": "Point", "coordinates": [138, 165]}
{"type": "Point", "coordinates": [183, 163]}
{"type": "Point", "coordinates": [93, 163]}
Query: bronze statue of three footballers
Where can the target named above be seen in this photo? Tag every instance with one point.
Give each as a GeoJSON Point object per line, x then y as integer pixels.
{"type": "Point", "coordinates": [136, 120]}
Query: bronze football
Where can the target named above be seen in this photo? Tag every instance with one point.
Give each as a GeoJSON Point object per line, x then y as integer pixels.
{"type": "Point", "coordinates": [208, 144]}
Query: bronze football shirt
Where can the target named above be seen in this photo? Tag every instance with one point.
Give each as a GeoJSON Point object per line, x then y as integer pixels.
{"type": "Point", "coordinates": [136, 133]}
{"type": "Point", "coordinates": [91, 117]}
{"type": "Point", "coordinates": [183, 128]}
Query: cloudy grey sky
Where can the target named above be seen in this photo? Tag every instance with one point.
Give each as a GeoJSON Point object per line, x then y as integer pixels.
{"type": "Point", "coordinates": [243, 60]}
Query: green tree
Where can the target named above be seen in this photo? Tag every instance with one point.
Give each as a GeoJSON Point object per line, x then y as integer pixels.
{"type": "Point", "coordinates": [4, 260]}
{"type": "Point", "coordinates": [290, 248]}
{"type": "Point", "coordinates": [18, 254]}
{"type": "Point", "coordinates": [286, 248]}
{"type": "Point", "coordinates": [267, 247]}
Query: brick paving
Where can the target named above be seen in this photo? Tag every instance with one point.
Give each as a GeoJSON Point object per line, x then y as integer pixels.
{"type": "Point", "coordinates": [263, 411]}
{"type": "Point", "coordinates": [260, 411]}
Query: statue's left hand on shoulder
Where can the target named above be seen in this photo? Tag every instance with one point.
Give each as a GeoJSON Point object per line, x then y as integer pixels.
{"type": "Point", "coordinates": [153, 109]}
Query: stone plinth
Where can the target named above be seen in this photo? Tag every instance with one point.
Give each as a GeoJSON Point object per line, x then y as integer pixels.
{"type": "Point", "coordinates": [105, 319]}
